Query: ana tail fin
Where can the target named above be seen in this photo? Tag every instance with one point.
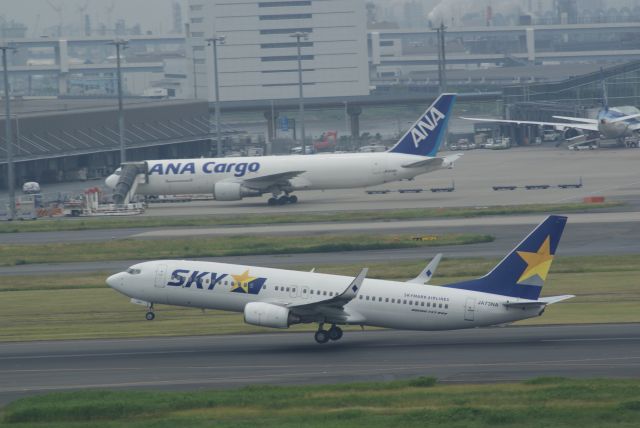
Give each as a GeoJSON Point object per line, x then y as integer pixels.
{"type": "Point", "coordinates": [426, 134]}
{"type": "Point", "coordinates": [523, 271]}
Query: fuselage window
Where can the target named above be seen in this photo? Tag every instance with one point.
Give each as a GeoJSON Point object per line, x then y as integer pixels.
{"type": "Point", "coordinates": [404, 302]}
{"type": "Point", "coordinates": [446, 306]}
{"type": "Point", "coordinates": [304, 290]}
{"type": "Point", "coordinates": [367, 297]}
{"type": "Point", "coordinates": [324, 294]}
{"type": "Point", "coordinates": [361, 297]}
{"type": "Point", "coordinates": [440, 306]}
{"type": "Point", "coordinates": [421, 303]}
{"type": "Point", "coordinates": [386, 300]}
{"type": "Point", "coordinates": [293, 289]}
{"type": "Point", "coordinates": [393, 300]}
{"type": "Point", "coordinates": [287, 289]}
{"type": "Point", "coordinates": [310, 291]}
{"type": "Point", "coordinates": [379, 299]}
{"type": "Point", "coordinates": [276, 288]}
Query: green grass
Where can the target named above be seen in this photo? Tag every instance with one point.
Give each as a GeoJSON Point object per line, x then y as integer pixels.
{"type": "Point", "coordinates": [126, 249]}
{"type": "Point", "coordinates": [542, 402]}
{"type": "Point", "coordinates": [47, 225]}
{"type": "Point", "coordinates": [43, 307]}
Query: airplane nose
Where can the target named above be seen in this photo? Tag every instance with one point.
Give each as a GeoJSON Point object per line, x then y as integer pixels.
{"type": "Point", "coordinates": [115, 281]}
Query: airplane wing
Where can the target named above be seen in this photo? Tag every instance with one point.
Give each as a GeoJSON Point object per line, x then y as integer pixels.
{"type": "Point", "coordinates": [331, 309]}
{"type": "Point", "coordinates": [435, 163]}
{"type": "Point", "coordinates": [563, 125]}
{"type": "Point", "coordinates": [577, 119]}
{"type": "Point", "coordinates": [264, 182]}
{"type": "Point", "coordinates": [341, 299]}
{"type": "Point", "coordinates": [620, 119]}
{"type": "Point", "coordinates": [428, 271]}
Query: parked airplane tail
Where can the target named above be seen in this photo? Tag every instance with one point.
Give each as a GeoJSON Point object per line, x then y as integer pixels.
{"type": "Point", "coordinates": [425, 136]}
{"type": "Point", "coordinates": [523, 271]}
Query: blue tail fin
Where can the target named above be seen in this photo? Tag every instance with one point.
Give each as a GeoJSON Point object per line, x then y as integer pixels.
{"type": "Point", "coordinates": [523, 272]}
{"type": "Point", "coordinates": [426, 135]}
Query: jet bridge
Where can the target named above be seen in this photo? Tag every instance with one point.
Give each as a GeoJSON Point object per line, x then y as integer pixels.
{"type": "Point", "coordinates": [131, 174]}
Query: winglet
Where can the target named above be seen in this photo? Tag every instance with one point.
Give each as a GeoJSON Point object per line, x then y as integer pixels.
{"type": "Point", "coordinates": [425, 276]}
{"type": "Point", "coordinates": [352, 290]}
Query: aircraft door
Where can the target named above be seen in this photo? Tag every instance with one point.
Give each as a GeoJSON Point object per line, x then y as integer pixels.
{"type": "Point", "coordinates": [294, 290]}
{"type": "Point", "coordinates": [470, 309]}
{"type": "Point", "coordinates": [161, 276]}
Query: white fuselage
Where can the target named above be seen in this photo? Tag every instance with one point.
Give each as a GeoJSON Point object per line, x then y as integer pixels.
{"type": "Point", "coordinates": [380, 303]}
{"type": "Point", "coordinates": [317, 172]}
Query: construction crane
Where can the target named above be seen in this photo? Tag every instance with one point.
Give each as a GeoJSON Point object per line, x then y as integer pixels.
{"type": "Point", "coordinates": [58, 9]}
{"type": "Point", "coordinates": [82, 9]}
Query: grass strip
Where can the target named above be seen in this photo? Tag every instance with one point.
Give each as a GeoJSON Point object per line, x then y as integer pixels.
{"type": "Point", "coordinates": [11, 255]}
{"type": "Point", "coordinates": [546, 402]}
{"type": "Point", "coordinates": [68, 224]}
{"type": "Point", "coordinates": [53, 307]}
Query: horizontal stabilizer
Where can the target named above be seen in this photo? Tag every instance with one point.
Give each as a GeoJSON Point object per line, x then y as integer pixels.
{"type": "Point", "coordinates": [435, 163]}
{"type": "Point", "coordinates": [555, 299]}
{"type": "Point", "coordinates": [543, 301]}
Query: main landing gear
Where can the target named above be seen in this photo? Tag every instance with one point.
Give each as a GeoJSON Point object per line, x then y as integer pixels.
{"type": "Point", "coordinates": [282, 200]}
{"type": "Point", "coordinates": [323, 336]}
{"type": "Point", "coordinates": [150, 315]}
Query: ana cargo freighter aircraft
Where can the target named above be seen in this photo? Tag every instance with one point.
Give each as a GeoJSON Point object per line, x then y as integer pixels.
{"type": "Point", "coordinates": [232, 179]}
{"type": "Point", "coordinates": [280, 298]}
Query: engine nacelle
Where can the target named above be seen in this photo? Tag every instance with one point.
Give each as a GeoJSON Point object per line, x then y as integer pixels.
{"type": "Point", "coordinates": [268, 315]}
{"type": "Point", "coordinates": [230, 191]}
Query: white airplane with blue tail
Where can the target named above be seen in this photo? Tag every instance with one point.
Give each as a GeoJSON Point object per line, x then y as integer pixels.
{"type": "Point", "coordinates": [280, 298]}
{"type": "Point", "coordinates": [232, 179]}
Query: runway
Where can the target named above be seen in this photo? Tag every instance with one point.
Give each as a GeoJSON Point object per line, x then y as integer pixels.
{"type": "Point", "coordinates": [478, 355]}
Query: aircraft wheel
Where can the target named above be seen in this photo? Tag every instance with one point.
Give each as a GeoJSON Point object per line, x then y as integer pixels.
{"type": "Point", "coordinates": [282, 200]}
{"type": "Point", "coordinates": [150, 316]}
{"type": "Point", "coordinates": [293, 199]}
{"type": "Point", "coordinates": [321, 336]}
{"type": "Point", "coordinates": [335, 333]}
{"type": "Point", "coordinates": [272, 202]}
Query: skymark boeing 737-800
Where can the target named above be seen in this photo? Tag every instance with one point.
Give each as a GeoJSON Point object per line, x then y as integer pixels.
{"type": "Point", "coordinates": [232, 179]}
{"type": "Point", "coordinates": [280, 298]}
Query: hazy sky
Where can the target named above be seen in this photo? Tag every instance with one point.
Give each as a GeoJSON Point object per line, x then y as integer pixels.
{"type": "Point", "coordinates": [153, 15]}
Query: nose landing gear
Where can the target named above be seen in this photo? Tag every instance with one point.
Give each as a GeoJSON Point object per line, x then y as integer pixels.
{"type": "Point", "coordinates": [150, 315]}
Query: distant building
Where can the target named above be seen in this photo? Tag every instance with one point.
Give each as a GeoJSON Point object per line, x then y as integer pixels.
{"type": "Point", "coordinates": [259, 58]}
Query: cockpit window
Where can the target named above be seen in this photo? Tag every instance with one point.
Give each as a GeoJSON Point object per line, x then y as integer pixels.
{"type": "Point", "coordinates": [132, 271]}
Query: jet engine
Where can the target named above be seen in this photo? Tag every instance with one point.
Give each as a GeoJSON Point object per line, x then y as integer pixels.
{"type": "Point", "coordinates": [231, 191]}
{"type": "Point", "coordinates": [268, 315]}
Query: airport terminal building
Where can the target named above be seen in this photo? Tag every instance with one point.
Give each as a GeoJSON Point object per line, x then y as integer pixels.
{"type": "Point", "coordinates": [259, 59]}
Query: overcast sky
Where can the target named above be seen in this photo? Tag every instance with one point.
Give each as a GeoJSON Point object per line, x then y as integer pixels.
{"type": "Point", "coordinates": [153, 15]}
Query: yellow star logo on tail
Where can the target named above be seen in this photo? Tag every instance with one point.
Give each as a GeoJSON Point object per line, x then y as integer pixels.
{"type": "Point", "coordinates": [538, 263]}
{"type": "Point", "coordinates": [242, 281]}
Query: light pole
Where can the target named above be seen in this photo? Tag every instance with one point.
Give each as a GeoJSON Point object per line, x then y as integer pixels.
{"type": "Point", "coordinates": [301, 35]}
{"type": "Point", "coordinates": [214, 41]}
{"type": "Point", "coordinates": [8, 133]}
{"type": "Point", "coordinates": [442, 60]}
{"type": "Point", "coordinates": [120, 45]}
